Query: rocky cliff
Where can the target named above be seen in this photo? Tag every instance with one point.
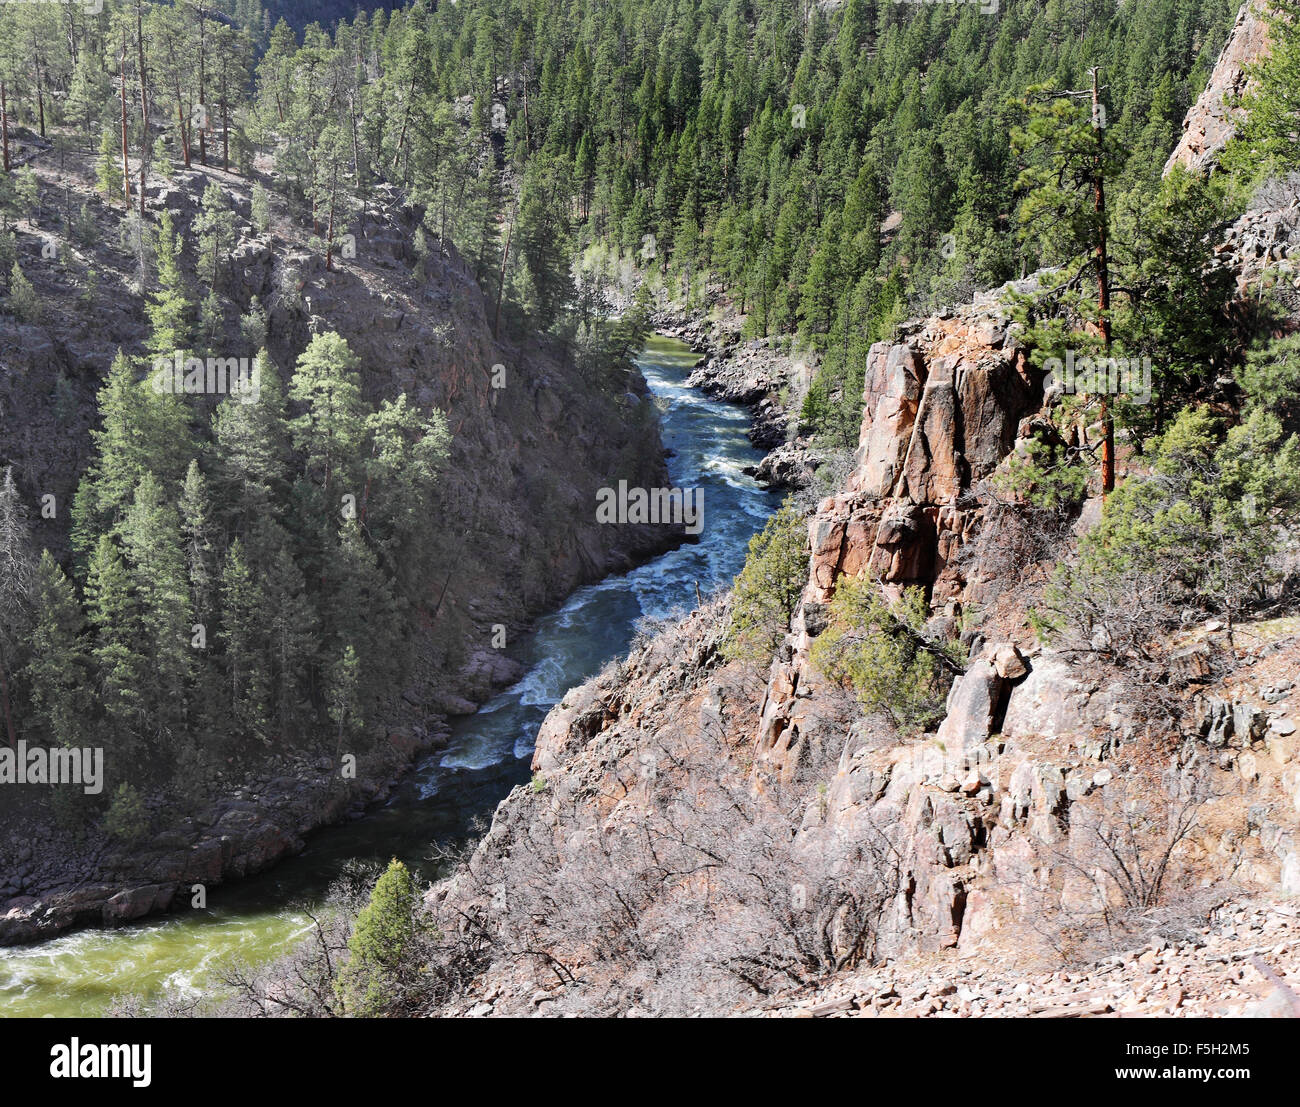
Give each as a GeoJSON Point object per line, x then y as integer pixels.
{"type": "Point", "coordinates": [710, 838]}
{"type": "Point", "coordinates": [1210, 124]}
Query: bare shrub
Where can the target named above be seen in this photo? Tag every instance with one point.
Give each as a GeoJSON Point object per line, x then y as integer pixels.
{"type": "Point", "coordinates": [1122, 859]}
{"type": "Point", "coordinates": [691, 896]}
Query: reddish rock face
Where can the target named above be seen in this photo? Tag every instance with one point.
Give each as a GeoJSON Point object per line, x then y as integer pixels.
{"type": "Point", "coordinates": [1211, 122]}
{"type": "Point", "coordinates": [941, 411]}
{"type": "Point", "coordinates": [895, 378]}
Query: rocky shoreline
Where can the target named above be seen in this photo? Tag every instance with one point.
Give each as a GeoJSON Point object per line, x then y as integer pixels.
{"type": "Point", "coordinates": [258, 823]}
{"type": "Point", "coordinates": [756, 375]}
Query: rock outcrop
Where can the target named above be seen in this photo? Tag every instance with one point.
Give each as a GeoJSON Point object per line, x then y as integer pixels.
{"type": "Point", "coordinates": [1211, 123]}
{"type": "Point", "coordinates": [942, 409]}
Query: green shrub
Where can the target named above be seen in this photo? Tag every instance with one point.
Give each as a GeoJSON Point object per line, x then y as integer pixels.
{"type": "Point", "coordinates": [1270, 378]}
{"type": "Point", "coordinates": [1045, 475]}
{"type": "Point", "coordinates": [1198, 536]}
{"type": "Point", "coordinates": [127, 820]}
{"type": "Point", "coordinates": [767, 590]}
{"type": "Point", "coordinates": [22, 296]}
{"type": "Point", "coordinates": [383, 931]}
{"type": "Point", "coordinates": [882, 651]}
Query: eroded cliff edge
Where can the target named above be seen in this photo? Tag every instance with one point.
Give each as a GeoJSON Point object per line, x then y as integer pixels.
{"type": "Point", "coordinates": [705, 836]}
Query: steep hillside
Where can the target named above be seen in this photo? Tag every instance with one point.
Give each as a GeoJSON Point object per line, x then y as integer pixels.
{"type": "Point", "coordinates": [712, 839]}
{"type": "Point", "coordinates": [531, 441]}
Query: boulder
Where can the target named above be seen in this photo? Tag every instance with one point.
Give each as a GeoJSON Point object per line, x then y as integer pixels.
{"type": "Point", "coordinates": [1007, 662]}
{"type": "Point", "coordinates": [1051, 702]}
{"type": "Point", "coordinates": [790, 465]}
{"type": "Point", "coordinates": [134, 903]}
{"type": "Point", "coordinates": [973, 706]}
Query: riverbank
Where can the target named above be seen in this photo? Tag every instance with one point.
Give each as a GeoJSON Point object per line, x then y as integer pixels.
{"type": "Point", "coordinates": [243, 827]}
{"type": "Point", "coordinates": [757, 374]}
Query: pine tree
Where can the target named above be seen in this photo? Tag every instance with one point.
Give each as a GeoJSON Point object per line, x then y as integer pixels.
{"type": "Point", "coordinates": [141, 430]}
{"type": "Point", "coordinates": [108, 166]}
{"type": "Point", "coordinates": [1069, 158]}
{"type": "Point", "coordinates": [252, 449]}
{"type": "Point", "coordinates": [88, 92]}
{"type": "Point", "coordinates": [343, 692]}
{"type": "Point", "coordinates": [380, 938]}
{"type": "Point", "coordinates": [287, 622]}
{"type": "Point", "coordinates": [407, 451]}
{"type": "Point", "coordinates": [215, 226]}
{"type": "Point", "coordinates": [17, 573]}
{"type": "Point", "coordinates": [246, 660]}
{"type": "Point", "coordinates": [361, 612]}
{"type": "Point", "coordinates": [330, 429]}
{"type": "Point", "coordinates": [195, 517]}
{"type": "Point", "coordinates": [824, 280]}
{"type": "Point", "coordinates": [542, 234]}
{"type": "Point", "coordinates": [58, 670]}
{"type": "Point", "coordinates": [169, 308]}
{"type": "Point", "coordinates": [151, 537]}
{"type": "Point", "coordinates": [1268, 136]}
{"type": "Point", "coordinates": [120, 665]}
{"type": "Point", "coordinates": [25, 303]}
{"type": "Point", "coordinates": [767, 590]}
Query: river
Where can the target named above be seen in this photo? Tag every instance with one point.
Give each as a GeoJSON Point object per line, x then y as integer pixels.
{"type": "Point", "coordinates": [257, 918]}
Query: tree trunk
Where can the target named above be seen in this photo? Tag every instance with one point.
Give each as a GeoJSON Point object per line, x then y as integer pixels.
{"type": "Point", "coordinates": [501, 280]}
{"type": "Point", "coordinates": [406, 118]}
{"type": "Point", "coordinates": [126, 168]}
{"type": "Point", "coordinates": [70, 30]}
{"type": "Point", "coordinates": [4, 696]}
{"type": "Point", "coordinates": [329, 235]}
{"type": "Point", "coordinates": [203, 98]}
{"type": "Point", "coordinates": [144, 103]}
{"type": "Point", "coordinates": [4, 121]}
{"type": "Point", "coordinates": [225, 121]}
{"type": "Point", "coordinates": [1103, 290]}
{"type": "Point", "coordinates": [40, 92]}
{"type": "Point", "coordinates": [180, 126]}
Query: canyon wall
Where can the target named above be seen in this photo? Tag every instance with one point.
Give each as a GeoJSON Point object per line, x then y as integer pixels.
{"type": "Point", "coordinates": [518, 495]}
{"type": "Point", "coordinates": [1211, 122]}
{"type": "Point", "coordinates": [988, 833]}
